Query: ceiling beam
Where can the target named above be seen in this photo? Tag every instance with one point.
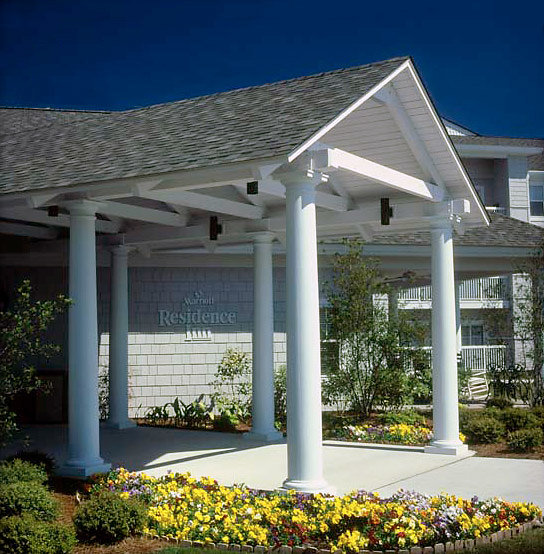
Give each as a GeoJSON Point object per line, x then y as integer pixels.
{"type": "Point", "coordinates": [9, 228]}
{"type": "Point", "coordinates": [128, 211]}
{"type": "Point", "coordinates": [330, 159]}
{"type": "Point", "coordinates": [322, 199]}
{"type": "Point", "coordinates": [205, 202]}
{"type": "Point", "coordinates": [390, 98]}
{"type": "Point", "coordinates": [62, 220]}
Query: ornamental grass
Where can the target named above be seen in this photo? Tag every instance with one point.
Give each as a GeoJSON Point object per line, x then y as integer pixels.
{"type": "Point", "coordinates": [184, 508]}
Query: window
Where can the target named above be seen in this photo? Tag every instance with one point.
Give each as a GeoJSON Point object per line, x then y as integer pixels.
{"type": "Point", "coordinates": [536, 196]}
{"type": "Point", "coordinates": [472, 334]}
{"type": "Point", "coordinates": [329, 347]}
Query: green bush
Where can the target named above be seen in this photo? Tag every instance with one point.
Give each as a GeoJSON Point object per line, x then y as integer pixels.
{"type": "Point", "coordinates": [409, 417]}
{"type": "Point", "coordinates": [37, 458]}
{"type": "Point", "coordinates": [515, 419]}
{"type": "Point", "coordinates": [21, 471]}
{"type": "Point", "coordinates": [484, 429]}
{"type": "Point", "coordinates": [225, 421]}
{"type": "Point", "coordinates": [28, 498]}
{"type": "Point", "coordinates": [107, 518]}
{"type": "Point", "coordinates": [26, 535]}
{"type": "Point", "coordinates": [499, 402]}
{"type": "Point", "coordinates": [524, 440]}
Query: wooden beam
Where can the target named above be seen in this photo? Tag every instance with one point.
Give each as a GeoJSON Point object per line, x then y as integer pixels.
{"type": "Point", "coordinates": [128, 211]}
{"type": "Point", "coordinates": [333, 158]}
{"type": "Point", "coordinates": [414, 141]}
{"type": "Point", "coordinates": [205, 202]}
{"type": "Point", "coordinates": [23, 230]}
{"type": "Point", "coordinates": [63, 220]}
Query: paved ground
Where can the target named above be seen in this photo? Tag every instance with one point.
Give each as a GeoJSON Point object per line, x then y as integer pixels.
{"type": "Point", "coordinates": [232, 459]}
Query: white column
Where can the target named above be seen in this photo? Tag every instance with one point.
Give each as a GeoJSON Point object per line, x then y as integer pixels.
{"type": "Point", "coordinates": [263, 342]}
{"type": "Point", "coordinates": [458, 316]}
{"type": "Point", "coordinates": [83, 419]}
{"type": "Point", "coordinates": [444, 340]}
{"type": "Point", "coordinates": [118, 359]}
{"type": "Point", "coordinates": [393, 304]}
{"type": "Point", "coordinates": [304, 428]}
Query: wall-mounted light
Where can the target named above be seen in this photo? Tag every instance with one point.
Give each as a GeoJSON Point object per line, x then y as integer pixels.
{"type": "Point", "coordinates": [253, 187]}
{"type": "Point", "coordinates": [387, 211]}
{"type": "Point", "coordinates": [215, 227]}
{"type": "Point", "coordinates": [53, 211]}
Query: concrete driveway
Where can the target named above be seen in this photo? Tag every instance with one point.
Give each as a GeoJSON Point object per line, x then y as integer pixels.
{"type": "Point", "coordinates": [230, 458]}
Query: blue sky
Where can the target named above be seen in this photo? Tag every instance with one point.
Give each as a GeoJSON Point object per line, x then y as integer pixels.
{"type": "Point", "coordinates": [483, 62]}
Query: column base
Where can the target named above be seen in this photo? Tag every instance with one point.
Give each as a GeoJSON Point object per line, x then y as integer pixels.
{"type": "Point", "coordinates": [309, 487]}
{"type": "Point", "coordinates": [449, 449]}
{"type": "Point", "coordinates": [120, 425]}
{"type": "Point", "coordinates": [81, 469]}
{"type": "Point", "coordinates": [264, 436]}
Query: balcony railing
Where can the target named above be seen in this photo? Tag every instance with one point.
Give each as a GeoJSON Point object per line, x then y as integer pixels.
{"type": "Point", "coordinates": [488, 288]}
{"type": "Point", "coordinates": [479, 358]}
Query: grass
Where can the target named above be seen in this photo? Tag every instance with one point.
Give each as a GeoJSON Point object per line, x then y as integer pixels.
{"type": "Point", "coordinates": [531, 542]}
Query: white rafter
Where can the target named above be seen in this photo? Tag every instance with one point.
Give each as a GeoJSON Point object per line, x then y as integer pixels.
{"type": "Point", "coordinates": [204, 202]}
{"type": "Point", "coordinates": [62, 220]}
{"type": "Point", "coordinates": [140, 213]}
{"type": "Point", "coordinates": [330, 159]}
{"type": "Point", "coordinates": [390, 98]}
{"type": "Point", "coordinates": [23, 230]}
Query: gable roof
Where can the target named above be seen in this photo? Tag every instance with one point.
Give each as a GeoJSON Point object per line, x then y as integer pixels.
{"type": "Point", "coordinates": [250, 123]}
{"type": "Point", "coordinates": [16, 120]}
{"type": "Point", "coordinates": [502, 231]}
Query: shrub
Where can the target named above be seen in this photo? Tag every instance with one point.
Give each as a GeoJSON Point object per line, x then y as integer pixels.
{"type": "Point", "coordinates": [108, 518]}
{"type": "Point", "coordinates": [26, 535]}
{"type": "Point", "coordinates": [409, 417]}
{"type": "Point", "coordinates": [524, 440]}
{"type": "Point", "coordinates": [21, 471]}
{"type": "Point", "coordinates": [484, 429]}
{"type": "Point", "coordinates": [225, 421]}
{"type": "Point", "coordinates": [499, 402]}
{"type": "Point", "coordinates": [515, 419]}
{"type": "Point", "coordinates": [28, 498]}
{"type": "Point", "coordinates": [37, 458]}
{"type": "Point", "coordinates": [280, 394]}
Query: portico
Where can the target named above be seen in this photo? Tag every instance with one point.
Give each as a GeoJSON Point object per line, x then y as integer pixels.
{"type": "Point", "coordinates": [371, 158]}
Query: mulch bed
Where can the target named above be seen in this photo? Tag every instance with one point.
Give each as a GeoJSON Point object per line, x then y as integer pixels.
{"type": "Point", "coordinates": [500, 450]}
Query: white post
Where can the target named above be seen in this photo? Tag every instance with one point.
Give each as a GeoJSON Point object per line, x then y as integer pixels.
{"type": "Point", "coordinates": [458, 316]}
{"type": "Point", "coordinates": [444, 339]}
{"type": "Point", "coordinates": [393, 304]}
{"type": "Point", "coordinates": [263, 342]}
{"type": "Point", "coordinates": [83, 419]}
{"type": "Point", "coordinates": [118, 359]}
{"type": "Point", "coordinates": [304, 428]}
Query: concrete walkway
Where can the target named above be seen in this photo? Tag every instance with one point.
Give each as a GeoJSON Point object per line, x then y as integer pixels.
{"type": "Point", "coordinates": [230, 458]}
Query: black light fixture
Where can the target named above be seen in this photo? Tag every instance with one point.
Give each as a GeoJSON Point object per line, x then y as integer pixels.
{"type": "Point", "coordinates": [387, 211]}
{"type": "Point", "coordinates": [253, 187]}
{"type": "Point", "coordinates": [215, 227]}
{"type": "Point", "coordinates": [53, 211]}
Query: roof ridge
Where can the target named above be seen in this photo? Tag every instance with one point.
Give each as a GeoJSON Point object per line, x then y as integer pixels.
{"type": "Point", "coordinates": [48, 109]}
{"type": "Point", "coordinates": [280, 82]}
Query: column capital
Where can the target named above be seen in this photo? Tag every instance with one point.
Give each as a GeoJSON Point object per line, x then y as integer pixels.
{"type": "Point", "coordinates": [121, 249]}
{"type": "Point", "coordinates": [441, 223]}
{"type": "Point", "coordinates": [263, 237]}
{"type": "Point", "coordinates": [82, 207]}
{"type": "Point", "coordinates": [299, 176]}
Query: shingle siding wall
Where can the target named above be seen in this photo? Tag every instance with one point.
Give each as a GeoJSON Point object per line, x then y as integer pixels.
{"type": "Point", "coordinates": [518, 189]}
{"type": "Point", "coordinates": [164, 363]}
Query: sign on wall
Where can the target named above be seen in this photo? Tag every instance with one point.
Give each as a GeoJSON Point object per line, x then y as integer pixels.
{"type": "Point", "coordinates": [196, 314]}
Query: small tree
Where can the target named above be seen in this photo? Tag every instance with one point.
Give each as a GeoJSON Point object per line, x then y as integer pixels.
{"type": "Point", "coordinates": [379, 363]}
{"type": "Point", "coordinates": [21, 340]}
{"type": "Point", "coordinates": [233, 384]}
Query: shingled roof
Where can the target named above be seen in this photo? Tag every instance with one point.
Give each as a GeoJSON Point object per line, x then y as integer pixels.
{"type": "Point", "coordinates": [502, 231]}
{"type": "Point", "coordinates": [250, 123]}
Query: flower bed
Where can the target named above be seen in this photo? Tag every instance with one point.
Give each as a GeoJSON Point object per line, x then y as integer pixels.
{"type": "Point", "coordinates": [184, 508]}
{"type": "Point", "coordinates": [399, 433]}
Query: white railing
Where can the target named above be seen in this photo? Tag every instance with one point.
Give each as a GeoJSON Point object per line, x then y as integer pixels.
{"type": "Point", "coordinates": [488, 288]}
{"type": "Point", "coordinates": [477, 358]}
